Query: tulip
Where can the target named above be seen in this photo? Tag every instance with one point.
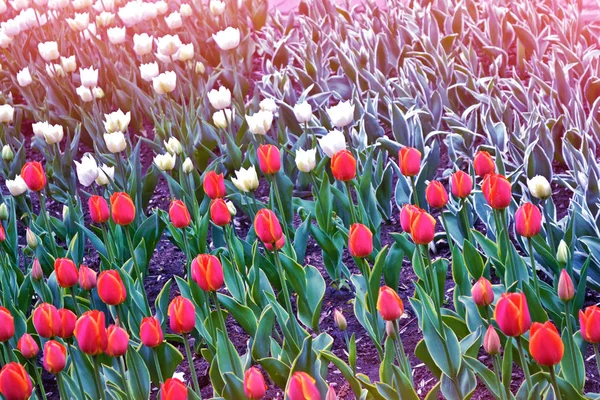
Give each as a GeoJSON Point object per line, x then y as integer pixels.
{"type": "Point", "coordinates": [268, 105]}
{"type": "Point", "coordinates": [151, 333]}
{"type": "Point", "coordinates": [340, 320]}
{"type": "Point", "coordinates": [67, 323]}
{"type": "Point", "coordinates": [99, 212]}
{"type": "Point", "coordinates": [2, 233]}
{"type": "Point", "coordinates": [267, 227]}
{"type": "Point", "coordinates": [48, 50]}
{"type": "Point", "coordinates": [165, 82]}
{"type": "Point", "coordinates": [46, 320]}
{"type": "Point", "coordinates": [66, 272]}
{"type": "Point", "coordinates": [123, 209]}
{"type": "Point", "coordinates": [566, 290]}
{"type": "Point", "coordinates": [539, 187]}
{"type": "Point", "coordinates": [410, 161]}
{"type": "Point", "coordinates": [69, 64]}
{"type": "Point", "coordinates": [31, 238]}
{"type": "Point", "coordinates": [389, 304]}
{"type": "Point", "coordinates": [219, 212]}
{"type": "Point", "coordinates": [333, 142]}
{"type": "Point", "coordinates": [341, 114]}
{"type": "Point", "coordinates": [360, 241]}
{"type": "Point", "coordinates": [497, 191]}
{"type": "Point", "coordinates": [117, 121]}
{"type": "Point", "coordinates": [116, 35]}
{"type": "Point", "coordinates": [111, 288]}
{"type": "Point", "coordinates": [36, 270]}
{"type": "Point", "coordinates": [105, 175]}
{"type": "Point", "coordinates": [259, 123]}
{"type": "Point", "coordinates": [16, 186]}
{"type": "Point", "coordinates": [214, 185]}
{"type": "Point", "coordinates": [306, 159]}
{"type": "Point", "coordinates": [173, 145]}
{"type": "Point", "coordinates": [7, 325]}
{"type": "Point", "coordinates": [255, 387]}
{"type": "Point", "coordinates": [115, 142]}
{"type": "Point", "coordinates": [245, 180]}
{"type": "Point", "coordinates": [80, 21]}
{"type": "Point", "coordinates": [24, 77]}
{"type": "Point", "coordinates": [87, 170]}
{"type": "Point", "coordinates": [278, 245]}
{"type": "Point", "coordinates": [482, 292]}
{"type": "Point", "coordinates": [436, 194]}
{"type": "Point", "coordinates": [182, 315]}
{"type": "Point", "coordinates": [222, 118]}
{"type": "Point", "coordinates": [220, 99]}
{"type": "Point", "coordinates": [117, 341]}
{"type": "Point", "coordinates": [149, 71]}
{"type": "Point", "coordinates": [483, 164]}
{"type": "Point", "coordinates": [303, 112]}
{"type": "Point", "coordinates": [28, 346]}
{"type": "Point", "coordinates": [343, 166]}
{"type": "Point", "coordinates": [422, 227]}
{"type": "Point", "coordinates": [55, 357]}
{"type": "Point", "coordinates": [269, 159]}
{"type": "Point", "coordinates": [589, 320]}
{"type": "Point", "coordinates": [406, 216]}
{"type": "Point", "coordinates": [491, 341]}
{"type": "Point", "coordinates": [3, 212]}
{"type": "Point", "coordinates": [302, 386]}
{"type": "Point", "coordinates": [168, 45]}
{"type": "Point", "coordinates": [545, 345]}
{"type": "Point", "coordinates": [187, 166]}
{"type": "Point", "coordinates": [562, 253]}
{"type": "Point", "coordinates": [7, 113]}
{"type": "Point", "coordinates": [512, 314]}
{"type": "Point", "coordinates": [179, 214]}
{"type": "Point", "coordinates": [90, 332]}
{"type": "Point", "coordinates": [174, 20]}
{"type": "Point", "coordinates": [165, 162]}
{"type": "Point", "coordinates": [528, 220]}
{"type": "Point", "coordinates": [89, 77]}
{"type": "Point", "coordinates": [207, 272]}
{"type": "Point", "coordinates": [87, 278]}
{"type": "Point", "coordinates": [15, 383]}
{"type": "Point", "coordinates": [34, 176]}
{"type": "Point", "coordinates": [185, 10]}
{"type": "Point", "coordinates": [7, 153]}
{"type": "Point", "coordinates": [462, 184]}
{"type": "Point", "coordinates": [217, 7]}
{"type": "Point", "coordinates": [173, 389]}
{"type": "Point", "coordinates": [227, 39]}
{"type": "Point", "coordinates": [390, 330]}
{"type": "Point", "coordinates": [142, 44]}
{"type": "Point", "coordinates": [200, 68]}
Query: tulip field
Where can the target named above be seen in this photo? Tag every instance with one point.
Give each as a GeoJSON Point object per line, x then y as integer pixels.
{"type": "Point", "coordinates": [220, 199]}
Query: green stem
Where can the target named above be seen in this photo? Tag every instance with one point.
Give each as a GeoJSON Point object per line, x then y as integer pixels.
{"type": "Point", "coordinates": [281, 210]}
{"type": "Point", "coordinates": [75, 304]}
{"type": "Point", "coordinates": [415, 198]}
{"type": "Point", "coordinates": [46, 219]}
{"type": "Point", "coordinates": [188, 255]}
{"type": "Point", "coordinates": [38, 379]}
{"type": "Point", "coordinates": [286, 294]}
{"type": "Point", "coordinates": [570, 341]}
{"type": "Point", "coordinates": [132, 251]}
{"type": "Point", "coordinates": [465, 219]}
{"type": "Point", "coordinates": [448, 237]}
{"type": "Point", "coordinates": [524, 364]}
{"type": "Point", "coordinates": [555, 384]}
{"type": "Point", "coordinates": [135, 374]}
{"type": "Point", "coordinates": [157, 366]}
{"type": "Point", "coordinates": [597, 354]}
{"type": "Point", "coordinates": [224, 330]}
{"type": "Point", "coordinates": [497, 373]}
{"type": "Point", "coordinates": [121, 168]}
{"type": "Point", "coordinates": [123, 372]}
{"type": "Point", "coordinates": [533, 269]}
{"type": "Point", "coordinates": [403, 361]}
{"type": "Point", "coordinates": [434, 284]}
{"type": "Point", "coordinates": [61, 386]}
{"type": "Point", "coordinates": [353, 219]}
{"type": "Point", "coordinates": [549, 230]}
{"type": "Point", "coordinates": [188, 354]}
{"type": "Point", "coordinates": [108, 241]}
{"type": "Point", "coordinates": [99, 387]}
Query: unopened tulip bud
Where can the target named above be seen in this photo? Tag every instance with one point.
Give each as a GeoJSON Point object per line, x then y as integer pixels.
{"type": "Point", "coordinates": [200, 68]}
{"type": "Point", "coordinates": [482, 292]}
{"type": "Point", "coordinates": [539, 187]}
{"type": "Point", "coordinates": [563, 253]}
{"type": "Point", "coordinates": [566, 290]}
{"type": "Point", "coordinates": [36, 270]}
{"type": "Point", "coordinates": [65, 212]}
{"type": "Point", "coordinates": [32, 240]}
{"type": "Point", "coordinates": [7, 153]}
{"type": "Point", "coordinates": [187, 166]}
{"type": "Point", "coordinates": [340, 320]}
{"type": "Point", "coordinates": [491, 341]}
{"type": "Point", "coordinates": [390, 330]}
{"type": "Point", "coordinates": [3, 212]}
{"type": "Point", "coordinates": [231, 208]}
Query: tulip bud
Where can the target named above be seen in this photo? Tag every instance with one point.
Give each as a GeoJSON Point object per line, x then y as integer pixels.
{"type": "Point", "coordinates": [563, 253]}
{"type": "Point", "coordinates": [340, 320]}
{"type": "Point", "coordinates": [422, 227]}
{"type": "Point", "coordinates": [539, 187]}
{"type": "Point", "coordinates": [31, 238]}
{"type": "Point", "coordinates": [28, 346]}
{"type": "Point", "coordinates": [165, 162]}
{"type": "Point", "coordinates": [410, 161]}
{"type": "Point", "coordinates": [255, 387]}
{"type": "Point", "coordinates": [269, 159]}
{"type": "Point", "coordinates": [483, 164]}
{"type": "Point", "coordinates": [7, 153]}
{"type": "Point", "coordinates": [111, 288]}
{"type": "Point", "coordinates": [497, 191]}
{"type": "Point", "coordinates": [36, 270]}
{"type": "Point", "coordinates": [123, 209]}
{"type": "Point", "coordinates": [3, 212]}
{"type": "Point", "coordinates": [267, 227]}
{"type": "Point", "coordinates": [16, 186]}
{"type": "Point", "coordinates": [15, 383]}
{"type": "Point", "coordinates": [151, 332]}
{"type": "Point", "coordinates": [187, 166]}
{"type": "Point", "coordinates": [566, 290]}
{"type": "Point", "coordinates": [214, 185]}
{"type": "Point", "coordinates": [512, 314]}
{"type": "Point", "coordinates": [67, 323]}
{"type": "Point", "coordinates": [65, 212]}
{"type": "Point", "coordinates": [360, 241]}
{"type": "Point", "coordinates": [179, 214]}
{"type": "Point", "coordinates": [7, 325]}
{"type": "Point", "coordinates": [66, 272]}
{"type": "Point", "coordinates": [231, 208]}
{"type": "Point", "coordinates": [389, 304]}
{"type": "Point", "coordinates": [219, 212]}
{"type": "Point", "coordinates": [182, 315]}
{"type": "Point", "coordinates": [207, 272]}
{"type": "Point", "coordinates": [173, 389]}
{"type": "Point", "coordinates": [390, 330]}
{"type": "Point", "coordinates": [343, 166]}
{"type": "Point", "coordinates": [34, 176]}
{"type": "Point", "coordinates": [165, 83]}
{"type": "Point", "coordinates": [217, 7]}
{"type": "Point", "coordinates": [528, 220]}
{"type": "Point", "coordinates": [46, 320]}
{"type": "Point", "coordinates": [87, 278]}
{"type": "Point", "coordinates": [99, 212]}
{"type": "Point", "coordinates": [482, 292]}
{"type": "Point", "coordinates": [2, 233]}
{"type": "Point", "coordinates": [173, 146]}
{"type": "Point", "coordinates": [118, 340]}
{"type": "Point", "coordinates": [55, 357]}
{"type": "Point", "coordinates": [545, 344]}
{"type": "Point", "coordinates": [115, 142]}
{"type": "Point", "coordinates": [200, 68]}
{"type": "Point", "coordinates": [302, 386]}
{"type": "Point", "coordinates": [406, 216]}
{"type": "Point", "coordinates": [589, 320]}
{"type": "Point", "coordinates": [436, 194]}
{"type": "Point", "coordinates": [462, 184]}
{"type": "Point", "coordinates": [491, 341]}
{"type": "Point", "coordinates": [245, 180]}
{"type": "Point", "coordinates": [90, 332]}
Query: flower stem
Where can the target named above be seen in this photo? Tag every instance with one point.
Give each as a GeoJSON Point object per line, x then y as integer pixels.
{"type": "Point", "coordinates": [133, 257]}
{"type": "Point", "coordinates": [99, 387]}
{"type": "Point", "coordinates": [415, 198]}
{"type": "Point", "coordinates": [465, 219]}
{"type": "Point", "coordinates": [188, 354]}
{"type": "Point", "coordinates": [555, 384]}
{"type": "Point", "coordinates": [46, 218]}
{"type": "Point", "coordinates": [123, 372]}
{"type": "Point", "coordinates": [597, 354]}
{"type": "Point", "coordinates": [38, 379]}
{"type": "Point", "coordinates": [497, 373]}
{"type": "Point", "coordinates": [281, 210]}
{"type": "Point", "coordinates": [524, 364]}
{"type": "Point", "coordinates": [549, 230]}
{"type": "Point", "coordinates": [445, 225]}
{"type": "Point", "coordinates": [401, 354]}
{"type": "Point", "coordinates": [284, 288]}
{"type": "Point", "coordinates": [75, 304]}
{"type": "Point", "coordinates": [350, 203]}
{"type": "Point", "coordinates": [157, 366]}
{"type": "Point", "coordinates": [533, 268]}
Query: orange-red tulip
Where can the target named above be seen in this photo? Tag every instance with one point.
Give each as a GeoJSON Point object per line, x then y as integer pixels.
{"type": "Point", "coordinates": [566, 289]}
{"type": "Point", "coordinates": [267, 227]}
{"type": "Point", "coordinates": [589, 320]}
{"type": "Point", "coordinates": [118, 340]}
{"type": "Point", "coordinates": [182, 315]}
{"type": "Point", "coordinates": [34, 176]}
{"type": "Point", "coordinates": [406, 216]}
{"type": "Point", "coordinates": [46, 320]}
{"type": "Point", "coordinates": [7, 325]}
{"type": "Point", "coordinates": [482, 292]}
{"type": "Point", "coordinates": [28, 346]}
{"type": "Point", "coordinates": [90, 331]}
{"type": "Point", "coordinates": [111, 288]}
{"type": "Point", "coordinates": [99, 211]}
{"type": "Point", "coordinates": [360, 241]}
{"type": "Point", "coordinates": [255, 387]}
{"type": "Point", "coordinates": [497, 191]}
{"type": "Point", "coordinates": [55, 357]}
{"type": "Point", "coordinates": [207, 272]}
{"type": "Point", "coordinates": [491, 341]}
{"type": "Point", "coordinates": [343, 166]}
{"type": "Point", "coordinates": [484, 164]}
{"type": "Point", "coordinates": [214, 185]}
{"type": "Point", "coordinates": [219, 212]}
{"type": "Point", "coordinates": [66, 272]}
{"type": "Point", "coordinates": [436, 194]}
{"type": "Point", "coordinates": [15, 383]}
{"type": "Point", "coordinates": [512, 314]}
{"type": "Point", "coordinates": [179, 214]}
{"type": "Point", "coordinates": [422, 227]}
{"type": "Point", "coordinates": [122, 207]}
{"type": "Point", "coordinates": [151, 333]}
{"type": "Point", "coordinates": [68, 319]}
{"type": "Point", "coordinates": [269, 159]}
{"type": "Point", "coordinates": [173, 389]}
{"type": "Point", "coordinates": [410, 161]}
{"type": "Point", "coordinates": [302, 386]}
{"type": "Point", "coordinates": [87, 277]}
{"type": "Point", "coordinates": [389, 304]}
{"type": "Point", "coordinates": [528, 220]}
{"type": "Point", "coordinates": [278, 245]}
{"type": "Point", "coordinates": [545, 345]}
{"type": "Point", "coordinates": [462, 184]}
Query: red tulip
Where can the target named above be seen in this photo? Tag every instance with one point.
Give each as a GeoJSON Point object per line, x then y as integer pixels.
{"type": "Point", "coordinates": [545, 345]}
{"type": "Point", "coordinates": [491, 341]}
{"type": "Point", "coordinates": [406, 216]}
{"type": "Point", "coordinates": [528, 220]}
{"type": "Point", "coordinates": [111, 288]}
{"type": "Point", "coordinates": [436, 194]}
{"type": "Point", "coordinates": [182, 315]}
{"type": "Point", "coordinates": [512, 314]}
{"type": "Point", "coordinates": [2, 233]}
{"type": "Point", "coordinates": [150, 332]}
{"type": "Point", "coordinates": [179, 214]}
{"type": "Point", "coordinates": [360, 241]}
{"type": "Point", "coordinates": [55, 357]}
{"type": "Point", "coordinates": [7, 325]}
{"type": "Point", "coordinates": [269, 159]}
{"type": "Point", "coordinates": [497, 191]}
{"type": "Point", "coordinates": [219, 212]}
{"type": "Point", "coordinates": [66, 272]}
{"type": "Point", "coordinates": [207, 272]}
{"type": "Point", "coordinates": [302, 386]}
{"type": "Point", "coordinates": [566, 290]}
{"type": "Point", "coordinates": [214, 185]}
{"type": "Point", "coordinates": [90, 331]}
{"type": "Point", "coordinates": [255, 387]}
{"type": "Point", "coordinates": [267, 227]}
{"type": "Point", "coordinates": [589, 320]}
{"type": "Point", "coordinates": [36, 270]}
{"type": "Point", "coordinates": [68, 319]}
{"type": "Point", "coordinates": [462, 184]}
{"type": "Point", "coordinates": [389, 304]}
{"type": "Point", "coordinates": [117, 341]}
{"type": "Point", "coordinates": [123, 209]}
{"type": "Point", "coordinates": [99, 211]}
{"type": "Point", "coordinates": [482, 292]}
{"type": "Point", "coordinates": [410, 161]}
{"type": "Point", "coordinates": [278, 245]}
{"type": "Point", "coordinates": [87, 277]}
{"type": "Point", "coordinates": [46, 320]}
{"type": "Point", "coordinates": [28, 346]}
{"type": "Point", "coordinates": [422, 227]}
{"type": "Point", "coordinates": [343, 166]}
{"type": "Point", "coordinates": [15, 383]}
{"type": "Point", "coordinates": [34, 176]}
{"type": "Point", "coordinates": [484, 164]}
{"type": "Point", "coordinates": [173, 389]}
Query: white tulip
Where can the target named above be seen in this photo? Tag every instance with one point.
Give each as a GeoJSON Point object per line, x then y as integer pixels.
{"type": "Point", "coordinates": [227, 39]}
{"type": "Point", "coordinates": [89, 32]}
{"type": "Point", "coordinates": [174, 20]}
{"type": "Point", "coordinates": [222, 118]}
{"type": "Point", "coordinates": [55, 70]}
{"type": "Point", "coordinates": [2, 7]}
{"type": "Point", "coordinates": [306, 160]}
{"type": "Point", "coordinates": [142, 44]}
{"type": "Point", "coordinates": [185, 52]}
{"type": "Point", "coordinates": [173, 146]}
{"type": "Point", "coordinates": [24, 77]}
{"type": "Point", "coordinates": [117, 121]}
{"type": "Point", "coordinates": [16, 186]}
{"type": "Point", "coordinates": [260, 122]}
{"type": "Point", "coordinates": [7, 153]}
{"type": "Point", "coordinates": [19, 5]}
{"type": "Point", "coordinates": [115, 142]}
{"type": "Point", "coordinates": [341, 114]}
{"type": "Point", "coordinates": [53, 134]}
{"type": "Point", "coordinates": [333, 142]}
{"type": "Point", "coordinates": [149, 11]}
{"type": "Point", "coordinates": [88, 77]}
{"type": "Point", "coordinates": [187, 166]}
{"type": "Point", "coordinates": [246, 180]}
{"type": "Point", "coordinates": [58, 4]}
{"type": "Point", "coordinates": [80, 22]}
{"type": "Point", "coordinates": [562, 253]}
{"type": "Point", "coordinates": [539, 187]}
{"type": "Point", "coordinates": [7, 113]}
{"type": "Point", "coordinates": [81, 4]}
{"type": "Point", "coordinates": [168, 44]}
{"type": "Point", "coordinates": [130, 14]}
{"type": "Point", "coordinates": [117, 35]}
{"type": "Point", "coordinates": [268, 105]}
{"type": "Point", "coordinates": [11, 27]}
{"type": "Point", "coordinates": [39, 128]}
{"type": "Point", "coordinates": [48, 50]}
{"type": "Point", "coordinates": [85, 94]}
{"type": "Point", "coordinates": [105, 175]}
{"type": "Point", "coordinates": [104, 5]}
{"type": "Point", "coordinates": [200, 69]}
{"type": "Point", "coordinates": [231, 208]}
{"type": "Point", "coordinates": [5, 40]}
{"type": "Point", "coordinates": [161, 7]}
{"type": "Point", "coordinates": [217, 7]}
{"type": "Point", "coordinates": [149, 71]}
{"type": "Point", "coordinates": [165, 82]}
{"type": "Point", "coordinates": [165, 162]}
{"type": "Point", "coordinates": [303, 112]}
{"type": "Point", "coordinates": [221, 98]}
{"type": "Point", "coordinates": [185, 10]}
{"type": "Point", "coordinates": [105, 19]}
{"type": "Point", "coordinates": [98, 92]}
{"type": "Point", "coordinates": [69, 64]}
{"type": "Point", "coordinates": [87, 170]}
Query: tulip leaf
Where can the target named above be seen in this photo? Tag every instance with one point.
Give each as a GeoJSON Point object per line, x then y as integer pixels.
{"type": "Point", "coordinates": [168, 359]}
{"type": "Point", "coordinates": [572, 364]}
